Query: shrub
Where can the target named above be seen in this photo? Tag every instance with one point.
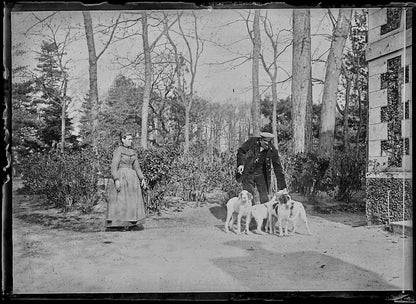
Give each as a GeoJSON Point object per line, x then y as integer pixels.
{"type": "Point", "coordinates": [348, 173]}
{"type": "Point", "coordinates": [193, 173]}
{"type": "Point", "coordinates": [310, 173]}
{"type": "Point", "coordinates": [157, 167]}
{"type": "Point", "coordinates": [157, 163]}
{"type": "Point", "coordinates": [68, 181]}
{"type": "Point", "coordinates": [221, 173]}
{"type": "Point", "coordinates": [340, 177]}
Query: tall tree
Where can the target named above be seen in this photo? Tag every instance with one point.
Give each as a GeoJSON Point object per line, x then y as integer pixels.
{"type": "Point", "coordinates": [346, 112]}
{"type": "Point", "coordinates": [355, 63]}
{"type": "Point", "coordinates": [92, 70]}
{"type": "Point", "coordinates": [148, 73]}
{"type": "Point", "coordinates": [148, 80]}
{"type": "Point", "coordinates": [58, 37]}
{"type": "Point", "coordinates": [256, 40]}
{"type": "Point", "coordinates": [52, 87]}
{"type": "Point", "coordinates": [301, 82]}
{"type": "Point", "coordinates": [121, 109]}
{"type": "Point", "coordinates": [332, 74]}
{"type": "Point", "coordinates": [186, 62]}
{"type": "Point", "coordinates": [25, 123]}
{"type": "Point", "coordinates": [272, 68]}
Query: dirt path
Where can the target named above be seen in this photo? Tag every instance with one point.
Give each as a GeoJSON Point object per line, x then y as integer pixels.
{"type": "Point", "coordinates": [188, 251]}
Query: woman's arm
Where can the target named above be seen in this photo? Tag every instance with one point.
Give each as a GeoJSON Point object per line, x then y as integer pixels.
{"type": "Point", "coordinates": [115, 163]}
{"type": "Point", "coordinates": [136, 168]}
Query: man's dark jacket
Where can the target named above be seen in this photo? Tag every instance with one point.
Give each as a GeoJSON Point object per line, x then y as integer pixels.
{"type": "Point", "coordinates": [247, 154]}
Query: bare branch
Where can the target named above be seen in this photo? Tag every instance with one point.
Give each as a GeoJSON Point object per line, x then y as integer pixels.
{"type": "Point", "coordinates": [230, 60]}
{"type": "Point", "coordinates": [320, 81]}
{"type": "Point", "coordinates": [332, 18]}
{"type": "Point", "coordinates": [339, 108]}
{"type": "Point", "coordinates": [111, 37]}
{"type": "Point", "coordinates": [284, 70]}
{"type": "Point", "coordinates": [248, 27]}
{"type": "Point", "coordinates": [266, 68]}
{"type": "Point", "coordinates": [283, 50]}
{"type": "Point", "coordinates": [40, 21]}
{"type": "Point", "coordinates": [161, 34]}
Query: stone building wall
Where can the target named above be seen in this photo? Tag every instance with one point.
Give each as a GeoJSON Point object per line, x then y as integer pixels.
{"type": "Point", "coordinates": [389, 57]}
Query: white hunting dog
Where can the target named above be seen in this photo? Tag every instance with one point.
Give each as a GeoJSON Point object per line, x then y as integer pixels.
{"type": "Point", "coordinates": [289, 210]}
{"type": "Point", "coordinates": [272, 210]}
{"type": "Point", "coordinates": [264, 211]}
{"type": "Point", "coordinates": [242, 206]}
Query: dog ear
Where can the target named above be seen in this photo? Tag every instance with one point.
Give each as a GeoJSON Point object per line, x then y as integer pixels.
{"type": "Point", "coordinates": [250, 196]}
{"type": "Point", "coordinates": [240, 195]}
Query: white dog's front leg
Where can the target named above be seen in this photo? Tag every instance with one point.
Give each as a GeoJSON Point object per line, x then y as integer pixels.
{"type": "Point", "coordinates": [248, 220]}
{"type": "Point", "coordinates": [239, 224]}
{"type": "Point", "coordinates": [268, 227]}
{"type": "Point", "coordinates": [227, 222]}
{"type": "Point", "coordinates": [280, 227]}
{"type": "Point", "coordinates": [293, 220]}
{"type": "Point", "coordinates": [259, 223]}
{"type": "Point", "coordinates": [286, 226]}
{"type": "Point", "coordinates": [272, 228]}
{"type": "Point", "coordinates": [232, 222]}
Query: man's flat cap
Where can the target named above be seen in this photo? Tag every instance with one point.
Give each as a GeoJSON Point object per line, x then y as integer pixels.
{"type": "Point", "coordinates": [267, 135]}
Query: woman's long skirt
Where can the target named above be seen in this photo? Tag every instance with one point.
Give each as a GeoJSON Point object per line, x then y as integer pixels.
{"type": "Point", "coordinates": [126, 206]}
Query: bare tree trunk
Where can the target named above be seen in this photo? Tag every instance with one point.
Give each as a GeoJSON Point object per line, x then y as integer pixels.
{"type": "Point", "coordinates": [308, 120]}
{"type": "Point", "coordinates": [333, 71]}
{"type": "Point", "coordinates": [255, 106]}
{"type": "Point", "coordinates": [274, 118]}
{"type": "Point", "coordinates": [92, 69]}
{"type": "Point", "coordinates": [191, 62]}
{"type": "Point", "coordinates": [211, 140]}
{"type": "Point", "coordinates": [301, 81]}
{"type": "Point", "coordinates": [147, 81]}
{"type": "Point", "coordinates": [360, 117]}
{"type": "Point", "coordinates": [346, 114]}
{"type": "Point", "coordinates": [63, 112]}
{"type": "Point", "coordinates": [187, 114]}
{"type": "Point", "coordinates": [92, 60]}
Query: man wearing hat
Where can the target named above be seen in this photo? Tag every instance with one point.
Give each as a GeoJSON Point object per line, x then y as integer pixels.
{"type": "Point", "coordinates": [254, 159]}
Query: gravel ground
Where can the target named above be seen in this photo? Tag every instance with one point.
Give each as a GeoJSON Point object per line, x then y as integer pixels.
{"type": "Point", "coordinates": [189, 251]}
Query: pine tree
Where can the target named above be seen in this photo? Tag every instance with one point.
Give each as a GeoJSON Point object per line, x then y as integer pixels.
{"type": "Point", "coordinates": [51, 92]}
{"type": "Point", "coordinates": [25, 123]}
{"type": "Point", "coordinates": [121, 110]}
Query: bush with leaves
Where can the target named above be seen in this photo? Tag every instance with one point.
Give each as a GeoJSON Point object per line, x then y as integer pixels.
{"type": "Point", "coordinates": [310, 173]}
{"type": "Point", "coordinates": [348, 171]}
{"type": "Point", "coordinates": [222, 173]}
{"type": "Point", "coordinates": [157, 167]}
{"type": "Point", "coordinates": [68, 181]}
{"type": "Point", "coordinates": [193, 173]}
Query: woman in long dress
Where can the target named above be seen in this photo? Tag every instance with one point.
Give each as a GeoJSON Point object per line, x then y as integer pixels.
{"type": "Point", "coordinates": [125, 206]}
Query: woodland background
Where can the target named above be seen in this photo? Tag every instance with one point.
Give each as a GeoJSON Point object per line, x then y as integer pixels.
{"type": "Point", "coordinates": [187, 143]}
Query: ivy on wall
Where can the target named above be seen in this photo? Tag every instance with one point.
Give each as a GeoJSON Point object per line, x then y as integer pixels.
{"type": "Point", "coordinates": [393, 20]}
{"type": "Point", "coordinates": [383, 114]}
{"type": "Point", "coordinates": [377, 190]}
{"type": "Point", "coordinates": [407, 109]}
{"type": "Point", "coordinates": [393, 113]}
